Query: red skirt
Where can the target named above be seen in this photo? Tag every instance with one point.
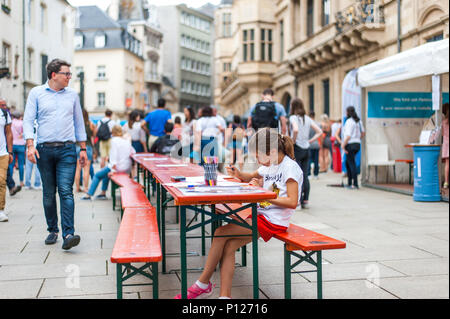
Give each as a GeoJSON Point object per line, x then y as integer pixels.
{"type": "Point", "coordinates": [266, 229]}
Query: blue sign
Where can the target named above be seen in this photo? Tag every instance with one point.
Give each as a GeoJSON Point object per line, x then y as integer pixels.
{"type": "Point", "coordinates": [401, 104]}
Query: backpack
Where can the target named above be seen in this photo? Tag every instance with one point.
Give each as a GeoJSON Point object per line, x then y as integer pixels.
{"type": "Point", "coordinates": [166, 145]}
{"type": "Point", "coordinates": [264, 115]}
{"type": "Point", "coordinates": [103, 132]}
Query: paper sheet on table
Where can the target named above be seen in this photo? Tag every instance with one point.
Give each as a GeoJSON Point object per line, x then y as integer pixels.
{"type": "Point", "coordinates": [223, 190]}
{"type": "Point", "coordinates": [172, 165]}
{"type": "Point", "coordinates": [202, 183]}
{"type": "Point", "coordinates": [155, 159]}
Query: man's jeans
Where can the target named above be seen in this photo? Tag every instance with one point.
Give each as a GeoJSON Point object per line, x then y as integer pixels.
{"type": "Point", "coordinates": [101, 175]}
{"type": "Point", "coordinates": [57, 166]}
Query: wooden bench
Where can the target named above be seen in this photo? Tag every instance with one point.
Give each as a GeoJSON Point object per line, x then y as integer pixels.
{"type": "Point", "coordinates": [133, 197]}
{"type": "Point", "coordinates": [121, 180]}
{"type": "Point", "coordinates": [298, 240]}
{"type": "Point", "coordinates": [137, 242]}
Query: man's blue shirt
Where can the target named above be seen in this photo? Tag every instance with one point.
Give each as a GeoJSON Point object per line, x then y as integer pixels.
{"type": "Point", "coordinates": [58, 115]}
{"type": "Point", "coordinates": [156, 121]}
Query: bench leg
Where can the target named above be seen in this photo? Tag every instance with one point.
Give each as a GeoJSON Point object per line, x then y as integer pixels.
{"type": "Point", "coordinates": [113, 194]}
{"type": "Point", "coordinates": [287, 273]}
{"type": "Point", "coordinates": [155, 280]}
{"type": "Point", "coordinates": [119, 280]}
{"type": "Point", "coordinates": [203, 235]}
{"type": "Point", "coordinates": [319, 274]}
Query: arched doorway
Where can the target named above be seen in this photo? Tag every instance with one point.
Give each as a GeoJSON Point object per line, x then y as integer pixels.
{"type": "Point", "coordinates": [286, 101]}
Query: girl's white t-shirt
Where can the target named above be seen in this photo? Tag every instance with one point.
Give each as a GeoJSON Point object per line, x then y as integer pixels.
{"type": "Point", "coordinates": [304, 128]}
{"type": "Point", "coordinates": [279, 175]}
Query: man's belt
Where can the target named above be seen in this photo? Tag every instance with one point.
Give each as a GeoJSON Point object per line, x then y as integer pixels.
{"type": "Point", "coordinates": [57, 144]}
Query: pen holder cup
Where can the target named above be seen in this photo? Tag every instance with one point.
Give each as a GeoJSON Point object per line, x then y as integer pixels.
{"type": "Point", "coordinates": [210, 174]}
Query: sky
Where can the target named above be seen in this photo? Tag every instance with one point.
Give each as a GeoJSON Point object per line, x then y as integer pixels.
{"type": "Point", "coordinates": [103, 4]}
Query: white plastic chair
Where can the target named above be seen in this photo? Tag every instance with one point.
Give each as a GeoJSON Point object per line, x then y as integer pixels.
{"type": "Point", "coordinates": [377, 155]}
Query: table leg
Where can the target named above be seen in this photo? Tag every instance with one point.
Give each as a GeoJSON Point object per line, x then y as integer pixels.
{"type": "Point", "coordinates": [319, 274]}
{"type": "Point", "coordinates": [183, 252]}
{"type": "Point", "coordinates": [203, 235]}
{"type": "Point", "coordinates": [138, 170]}
{"type": "Point", "coordinates": [255, 252]}
{"type": "Point", "coordinates": [158, 205]}
{"type": "Point", "coordinates": [163, 228]}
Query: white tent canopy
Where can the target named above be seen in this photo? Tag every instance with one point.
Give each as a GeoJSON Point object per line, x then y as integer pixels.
{"type": "Point", "coordinates": [428, 59]}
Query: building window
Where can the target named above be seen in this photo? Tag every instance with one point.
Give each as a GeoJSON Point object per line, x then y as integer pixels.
{"type": "Point", "coordinates": [226, 25]}
{"type": "Point", "coordinates": [101, 99]}
{"type": "Point", "coordinates": [30, 6]}
{"type": "Point", "coordinates": [311, 97]}
{"type": "Point", "coordinates": [101, 72]}
{"type": "Point", "coordinates": [44, 61]}
{"type": "Point", "coordinates": [326, 11]}
{"type": "Point", "coordinates": [266, 45]}
{"type": "Point", "coordinates": [30, 64]}
{"type": "Point", "coordinates": [43, 18]}
{"type": "Point", "coordinates": [437, 37]}
{"type": "Point", "coordinates": [78, 41]}
{"type": "Point", "coordinates": [63, 29]}
{"type": "Point", "coordinates": [100, 41]}
{"type": "Point", "coordinates": [281, 40]}
{"type": "Point", "coordinates": [5, 60]}
{"type": "Point", "coordinates": [249, 45]}
{"type": "Point", "coordinates": [310, 18]}
{"type": "Point", "coordinates": [78, 70]}
{"type": "Point", "coordinates": [326, 96]}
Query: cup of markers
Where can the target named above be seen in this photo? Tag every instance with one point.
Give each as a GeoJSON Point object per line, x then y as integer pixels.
{"type": "Point", "coordinates": [210, 167]}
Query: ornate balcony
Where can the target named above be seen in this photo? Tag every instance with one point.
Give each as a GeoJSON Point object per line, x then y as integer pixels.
{"type": "Point", "coordinates": [363, 12]}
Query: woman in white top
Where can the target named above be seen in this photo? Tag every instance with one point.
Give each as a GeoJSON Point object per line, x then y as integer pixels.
{"type": "Point", "coordinates": [353, 133]}
{"type": "Point", "coordinates": [300, 126]}
{"type": "Point", "coordinates": [206, 136]}
{"type": "Point", "coordinates": [187, 132]}
{"type": "Point", "coordinates": [119, 161]}
{"type": "Point", "coordinates": [133, 130]}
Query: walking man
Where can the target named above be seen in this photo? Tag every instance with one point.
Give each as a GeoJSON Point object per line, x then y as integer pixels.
{"type": "Point", "coordinates": [154, 122]}
{"type": "Point", "coordinates": [6, 157]}
{"type": "Point", "coordinates": [57, 110]}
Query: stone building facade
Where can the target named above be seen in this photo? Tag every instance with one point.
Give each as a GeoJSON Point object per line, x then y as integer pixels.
{"type": "Point", "coordinates": [314, 44]}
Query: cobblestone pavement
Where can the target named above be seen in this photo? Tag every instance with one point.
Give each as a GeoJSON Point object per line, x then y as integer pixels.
{"type": "Point", "coordinates": [396, 248]}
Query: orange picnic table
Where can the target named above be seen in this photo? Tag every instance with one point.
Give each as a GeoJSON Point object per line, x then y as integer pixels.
{"type": "Point", "coordinates": [202, 200]}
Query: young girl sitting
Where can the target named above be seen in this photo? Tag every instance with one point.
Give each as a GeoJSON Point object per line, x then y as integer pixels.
{"type": "Point", "coordinates": [278, 172]}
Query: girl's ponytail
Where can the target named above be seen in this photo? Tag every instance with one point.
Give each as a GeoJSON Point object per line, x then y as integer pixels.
{"type": "Point", "coordinates": [287, 146]}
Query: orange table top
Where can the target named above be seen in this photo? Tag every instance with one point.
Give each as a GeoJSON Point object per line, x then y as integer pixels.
{"type": "Point", "coordinates": [163, 175]}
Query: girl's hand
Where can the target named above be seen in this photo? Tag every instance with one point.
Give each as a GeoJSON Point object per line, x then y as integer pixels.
{"type": "Point", "coordinates": [232, 171]}
{"type": "Point", "coordinates": [255, 182]}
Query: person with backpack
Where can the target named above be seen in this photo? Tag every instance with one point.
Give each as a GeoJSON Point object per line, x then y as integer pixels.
{"type": "Point", "coordinates": [267, 113]}
{"type": "Point", "coordinates": [166, 143]}
{"type": "Point", "coordinates": [104, 128]}
{"type": "Point", "coordinates": [6, 154]}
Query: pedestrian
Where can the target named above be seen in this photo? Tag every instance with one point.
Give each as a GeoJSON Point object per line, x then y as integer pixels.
{"type": "Point", "coordinates": [206, 137]}
{"type": "Point", "coordinates": [187, 136]}
{"type": "Point", "coordinates": [353, 133]}
{"type": "Point", "coordinates": [119, 161]}
{"type": "Point", "coordinates": [325, 147]}
{"type": "Point", "coordinates": [29, 166]}
{"type": "Point", "coordinates": [135, 132]}
{"type": "Point", "coordinates": [154, 122]}
{"type": "Point", "coordinates": [336, 146]}
{"type": "Point", "coordinates": [18, 146]}
{"type": "Point", "coordinates": [314, 148]}
{"type": "Point", "coordinates": [82, 174]}
{"type": "Point", "coordinates": [6, 154]}
{"type": "Point", "coordinates": [267, 113]}
{"type": "Point", "coordinates": [167, 144]}
{"type": "Point", "coordinates": [104, 127]}
{"type": "Point", "coordinates": [301, 125]}
{"type": "Point", "coordinates": [280, 173]}
{"type": "Point", "coordinates": [177, 128]}
{"type": "Point", "coordinates": [234, 139]}
{"type": "Point", "coordinates": [57, 110]}
{"type": "Point", "coordinates": [445, 151]}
